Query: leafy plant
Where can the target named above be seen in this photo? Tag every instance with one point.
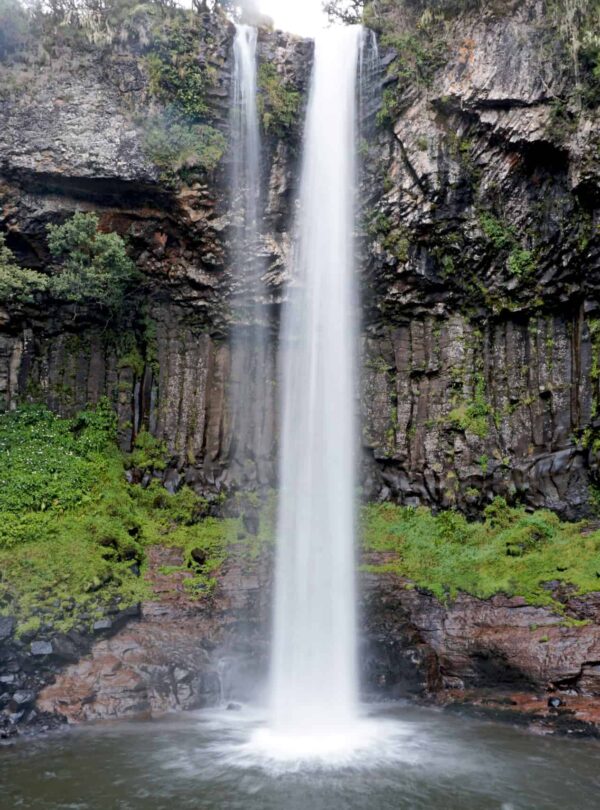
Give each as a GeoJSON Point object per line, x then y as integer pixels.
{"type": "Point", "coordinates": [278, 101]}
{"type": "Point", "coordinates": [94, 267]}
{"type": "Point", "coordinates": [512, 551]}
{"type": "Point", "coordinates": [18, 285]}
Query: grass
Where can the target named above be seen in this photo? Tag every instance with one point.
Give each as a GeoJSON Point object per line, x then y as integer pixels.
{"type": "Point", "coordinates": [74, 533]}
{"type": "Point", "coordinates": [512, 552]}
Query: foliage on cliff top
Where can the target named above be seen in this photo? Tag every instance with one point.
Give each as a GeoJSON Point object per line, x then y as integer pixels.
{"type": "Point", "coordinates": [180, 136]}
{"type": "Point", "coordinates": [74, 533]}
{"type": "Point", "coordinates": [512, 551]}
{"type": "Point", "coordinates": [179, 75]}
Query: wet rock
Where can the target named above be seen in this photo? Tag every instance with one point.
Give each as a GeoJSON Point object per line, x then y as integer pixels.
{"type": "Point", "coordinates": [172, 481]}
{"type": "Point", "coordinates": [414, 643]}
{"type": "Point", "coordinates": [7, 626]}
{"type": "Point", "coordinates": [22, 698]}
{"type": "Point", "coordinates": [102, 625]}
{"type": "Point", "coordinates": [199, 556]}
{"type": "Point", "coordinates": [168, 660]}
{"type": "Point", "coordinates": [39, 648]}
{"type": "Point", "coordinates": [234, 707]}
{"type": "Point", "coordinates": [555, 703]}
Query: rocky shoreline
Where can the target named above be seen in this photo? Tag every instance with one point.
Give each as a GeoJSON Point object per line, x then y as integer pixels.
{"type": "Point", "coordinates": [497, 658]}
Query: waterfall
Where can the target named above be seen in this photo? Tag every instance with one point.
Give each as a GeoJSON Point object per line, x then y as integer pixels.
{"type": "Point", "coordinates": [314, 668]}
{"type": "Point", "coordinates": [251, 364]}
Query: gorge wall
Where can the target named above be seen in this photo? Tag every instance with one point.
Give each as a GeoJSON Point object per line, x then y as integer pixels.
{"type": "Point", "coordinates": [480, 324]}
{"type": "Point", "coordinates": [480, 242]}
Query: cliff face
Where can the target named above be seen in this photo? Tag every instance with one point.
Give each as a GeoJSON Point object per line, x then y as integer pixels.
{"type": "Point", "coordinates": [503, 655]}
{"type": "Point", "coordinates": [480, 273]}
{"type": "Point", "coordinates": [75, 137]}
{"type": "Point", "coordinates": [482, 267]}
{"type": "Point", "coordinates": [480, 339]}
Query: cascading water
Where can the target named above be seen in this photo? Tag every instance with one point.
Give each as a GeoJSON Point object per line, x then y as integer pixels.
{"type": "Point", "coordinates": [252, 364]}
{"type": "Point", "coordinates": [314, 677]}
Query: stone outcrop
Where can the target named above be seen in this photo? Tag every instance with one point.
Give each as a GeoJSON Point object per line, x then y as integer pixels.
{"type": "Point", "coordinates": [507, 657]}
{"type": "Point", "coordinates": [482, 269]}
{"type": "Point", "coordinates": [75, 141]}
{"type": "Point", "coordinates": [179, 653]}
{"type": "Point", "coordinates": [480, 349]}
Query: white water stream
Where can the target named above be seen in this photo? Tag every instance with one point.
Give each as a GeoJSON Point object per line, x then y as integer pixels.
{"type": "Point", "coordinates": [314, 671]}
{"type": "Point", "coordinates": [252, 362]}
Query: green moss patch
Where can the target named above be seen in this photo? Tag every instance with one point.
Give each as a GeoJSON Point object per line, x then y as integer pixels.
{"type": "Point", "coordinates": [74, 534]}
{"type": "Point", "coordinates": [511, 551]}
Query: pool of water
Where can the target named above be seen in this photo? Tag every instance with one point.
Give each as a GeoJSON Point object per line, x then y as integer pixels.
{"type": "Point", "coordinates": [411, 758]}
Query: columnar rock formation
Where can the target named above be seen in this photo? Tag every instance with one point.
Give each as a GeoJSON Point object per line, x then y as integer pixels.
{"type": "Point", "coordinates": [481, 271]}
{"type": "Point", "coordinates": [481, 320]}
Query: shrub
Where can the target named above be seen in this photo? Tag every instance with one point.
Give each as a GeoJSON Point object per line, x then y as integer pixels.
{"type": "Point", "coordinates": [18, 285]}
{"type": "Point", "coordinates": [278, 101]}
{"type": "Point", "coordinates": [174, 144]}
{"type": "Point", "coordinates": [148, 453]}
{"type": "Point", "coordinates": [93, 267]}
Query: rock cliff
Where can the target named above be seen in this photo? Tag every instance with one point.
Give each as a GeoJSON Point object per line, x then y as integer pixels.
{"type": "Point", "coordinates": [480, 341]}
{"type": "Point", "coordinates": [480, 239]}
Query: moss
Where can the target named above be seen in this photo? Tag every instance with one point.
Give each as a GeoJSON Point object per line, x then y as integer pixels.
{"type": "Point", "coordinates": [446, 554]}
{"type": "Point", "coordinates": [397, 243]}
{"type": "Point", "coordinates": [474, 416]}
{"type": "Point", "coordinates": [74, 533]}
{"type": "Point", "coordinates": [278, 102]}
{"type": "Point", "coordinates": [176, 145]}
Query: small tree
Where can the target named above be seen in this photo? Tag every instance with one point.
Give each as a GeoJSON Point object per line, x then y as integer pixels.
{"type": "Point", "coordinates": [94, 267]}
{"type": "Point", "coordinates": [18, 285]}
{"type": "Point", "coordinates": [346, 11]}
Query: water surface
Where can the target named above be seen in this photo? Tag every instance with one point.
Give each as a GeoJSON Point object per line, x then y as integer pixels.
{"type": "Point", "coordinates": [421, 759]}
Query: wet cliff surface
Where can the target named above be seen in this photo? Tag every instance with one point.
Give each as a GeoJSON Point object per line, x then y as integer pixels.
{"type": "Point", "coordinates": [481, 187]}
{"type": "Point", "coordinates": [508, 659]}
{"type": "Point", "coordinates": [481, 257]}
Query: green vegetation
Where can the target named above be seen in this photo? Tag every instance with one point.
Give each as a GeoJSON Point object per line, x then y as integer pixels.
{"type": "Point", "coordinates": [278, 101]}
{"type": "Point", "coordinates": [180, 138]}
{"type": "Point", "coordinates": [148, 453]}
{"type": "Point", "coordinates": [418, 56]}
{"type": "Point", "coordinates": [174, 145]}
{"type": "Point", "coordinates": [417, 31]}
{"type": "Point", "coordinates": [575, 25]}
{"type": "Point", "coordinates": [473, 416]}
{"type": "Point", "coordinates": [511, 552]}
{"type": "Point", "coordinates": [74, 533]}
{"type": "Point", "coordinates": [521, 262]}
{"type": "Point", "coordinates": [18, 285]}
{"type": "Point", "coordinates": [92, 268]}
{"type": "Point", "coordinates": [177, 75]}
